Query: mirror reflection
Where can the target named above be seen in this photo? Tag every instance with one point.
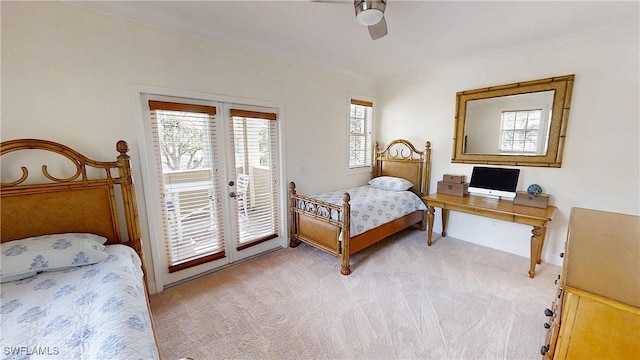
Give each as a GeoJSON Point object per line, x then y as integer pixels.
{"type": "Point", "coordinates": [516, 124]}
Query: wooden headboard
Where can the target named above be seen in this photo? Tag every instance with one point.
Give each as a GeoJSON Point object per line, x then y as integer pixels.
{"type": "Point", "coordinates": [98, 197]}
{"type": "Point", "coordinates": [401, 159]}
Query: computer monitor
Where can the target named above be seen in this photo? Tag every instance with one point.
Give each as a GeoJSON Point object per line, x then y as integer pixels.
{"type": "Point", "coordinates": [494, 183]}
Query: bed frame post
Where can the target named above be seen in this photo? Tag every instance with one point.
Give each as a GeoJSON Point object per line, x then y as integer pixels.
{"type": "Point", "coordinates": [376, 165]}
{"type": "Point", "coordinates": [426, 176]}
{"type": "Point", "coordinates": [130, 206]}
{"type": "Point", "coordinates": [346, 236]}
{"type": "Point", "coordinates": [128, 196]}
{"type": "Point", "coordinates": [293, 241]}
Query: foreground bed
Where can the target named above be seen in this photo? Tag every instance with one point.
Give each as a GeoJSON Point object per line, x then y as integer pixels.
{"type": "Point", "coordinates": [347, 221]}
{"type": "Point", "coordinates": [73, 281]}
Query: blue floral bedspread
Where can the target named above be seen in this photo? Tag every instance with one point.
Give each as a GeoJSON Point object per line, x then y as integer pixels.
{"type": "Point", "coordinates": [87, 312]}
{"type": "Point", "coordinates": [372, 207]}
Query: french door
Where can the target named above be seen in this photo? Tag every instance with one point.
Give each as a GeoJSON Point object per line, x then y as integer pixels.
{"type": "Point", "coordinates": [213, 171]}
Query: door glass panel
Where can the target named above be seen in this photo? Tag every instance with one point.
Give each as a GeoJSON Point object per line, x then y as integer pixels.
{"type": "Point", "coordinates": [256, 165]}
{"type": "Point", "coordinates": [192, 213]}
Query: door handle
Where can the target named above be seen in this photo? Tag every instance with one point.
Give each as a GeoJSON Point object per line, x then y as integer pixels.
{"type": "Point", "coordinates": [232, 194]}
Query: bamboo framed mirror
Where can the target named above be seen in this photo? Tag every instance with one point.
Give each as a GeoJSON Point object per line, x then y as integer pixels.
{"type": "Point", "coordinates": [519, 124]}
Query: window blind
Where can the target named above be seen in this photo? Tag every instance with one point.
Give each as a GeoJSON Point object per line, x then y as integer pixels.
{"type": "Point", "coordinates": [360, 134]}
{"type": "Point", "coordinates": [187, 172]}
{"type": "Point", "coordinates": [255, 145]}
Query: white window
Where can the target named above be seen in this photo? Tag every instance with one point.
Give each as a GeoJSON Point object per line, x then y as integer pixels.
{"type": "Point", "coordinates": [520, 131]}
{"type": "Point", "coordinates": [360, 134]}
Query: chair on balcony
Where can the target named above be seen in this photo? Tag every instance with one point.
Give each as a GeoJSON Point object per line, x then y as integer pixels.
{"type": "Point", "coordinates": [241, 190]}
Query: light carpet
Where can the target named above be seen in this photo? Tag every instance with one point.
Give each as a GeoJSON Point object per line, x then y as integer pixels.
{"type": "Point", "coordinates": [403, 300]}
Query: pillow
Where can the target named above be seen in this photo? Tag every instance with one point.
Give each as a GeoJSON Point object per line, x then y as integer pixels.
{"type": "Point", "coordinates": [391, 183]}
{"type": "Point", "coordinates": [23, 258]}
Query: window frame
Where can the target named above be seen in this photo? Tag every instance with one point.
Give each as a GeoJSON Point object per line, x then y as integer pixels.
{"type": "Point", "coordinates": [368, 167]}
{"type": "Point", "coordinates": [173, 224]}
{"type": "Point", "coordinates": [244, 113]}
{"type": "Point", "coordinates": [543, 128]}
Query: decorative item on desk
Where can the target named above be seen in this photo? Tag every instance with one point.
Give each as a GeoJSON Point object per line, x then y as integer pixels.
{"type": "Point", "coordinates": [533, 197]}
{"type": "Point", "coordinates": [457, 179]}
{"type": "Point", "coordinates": [453, 185]}
{"type": "Point", "coordinates": [534, 189]}
{"type": "Point", "coordinates": [455, 189]}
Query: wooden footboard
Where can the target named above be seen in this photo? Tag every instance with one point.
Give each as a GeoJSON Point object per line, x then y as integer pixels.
{"type": "Point", "coordinates": [320, 224]}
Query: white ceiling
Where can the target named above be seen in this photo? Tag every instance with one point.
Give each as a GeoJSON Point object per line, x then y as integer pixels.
{"type": "Point", "coordinates": [422, 34]}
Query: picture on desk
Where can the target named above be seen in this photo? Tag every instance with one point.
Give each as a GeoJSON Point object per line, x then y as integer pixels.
{"type": "Point", "coordinates": [494, 183]}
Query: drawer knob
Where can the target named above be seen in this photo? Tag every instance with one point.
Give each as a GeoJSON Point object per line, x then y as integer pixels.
{"type": "Point", "coordinates": [547, 326]}
{"type": "Point", "coordinates": [544, 350]}
{"type": "Point", "coordinates": [548, 312]}
{"type": "Point", "coordinates": [561, 254]}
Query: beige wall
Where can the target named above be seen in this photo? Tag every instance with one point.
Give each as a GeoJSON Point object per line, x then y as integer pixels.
{"type": "Point", "coordinates": [601, 165]}
{"type": "Point", "coordinates": [68, 75]}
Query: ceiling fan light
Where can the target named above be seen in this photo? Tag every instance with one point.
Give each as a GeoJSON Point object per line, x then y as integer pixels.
{"type": "Point", "coordinates": [369, 16]}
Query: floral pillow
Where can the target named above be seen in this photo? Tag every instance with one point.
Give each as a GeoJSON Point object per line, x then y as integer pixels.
{"type": "Point", "coordinates": [23, 258]}
{"type": "Point", "coordinates": [391, 183]}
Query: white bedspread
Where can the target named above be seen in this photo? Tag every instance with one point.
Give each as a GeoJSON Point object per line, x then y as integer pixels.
{"type": "Point", "coordinates": [372, 207]}
{"type": "Point", "coordinates": [88, 312]}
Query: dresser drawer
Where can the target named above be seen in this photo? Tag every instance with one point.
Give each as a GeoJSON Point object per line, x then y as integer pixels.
{"type": "Point", "coordinates": [482, 212]}
{"type": "Point", "coordinates": [597, 313]}
{"type": "Point", "coordinates": [596, 329]}
{"type": "Point", "coordinates": [552, 324]}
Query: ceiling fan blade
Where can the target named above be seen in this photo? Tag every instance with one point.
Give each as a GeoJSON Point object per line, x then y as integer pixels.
{"type": "Point", "coordinates": [378, 30]}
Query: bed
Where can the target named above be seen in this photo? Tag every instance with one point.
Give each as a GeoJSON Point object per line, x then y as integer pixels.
{"type": "Point", "coordinates": [72, 267]}
{"type": "Point", "coordinates": [343, 222]}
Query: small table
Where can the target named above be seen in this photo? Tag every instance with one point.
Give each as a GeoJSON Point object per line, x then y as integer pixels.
{"type": "Point", "coordinates": [501, 210]}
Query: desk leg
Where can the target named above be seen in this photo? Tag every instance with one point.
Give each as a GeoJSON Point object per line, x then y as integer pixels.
{"type": "Point", "coordinates": [537, 238]}
{"type": "Point", "coordinates": [445, 219]}
{"type": "Point", "coordinates": [432, 211]}
{"type": "Point", "coordinates": [543, 236]}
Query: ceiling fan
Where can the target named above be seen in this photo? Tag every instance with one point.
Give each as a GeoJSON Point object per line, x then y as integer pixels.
{"type": "Point", "coordinates": [369, 13]}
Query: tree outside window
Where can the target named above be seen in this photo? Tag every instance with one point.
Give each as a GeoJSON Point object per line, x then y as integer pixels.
{"type": "Point", "coordinates": [182, 140]}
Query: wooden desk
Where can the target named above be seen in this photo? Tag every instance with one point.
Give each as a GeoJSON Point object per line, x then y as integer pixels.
{"type": "Point", "coordinates": [501, 210]}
